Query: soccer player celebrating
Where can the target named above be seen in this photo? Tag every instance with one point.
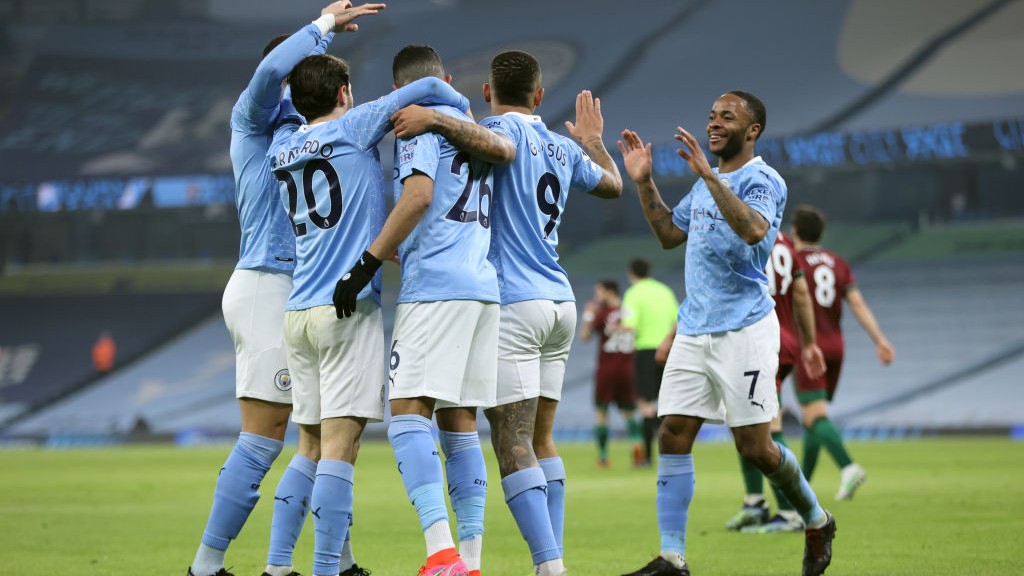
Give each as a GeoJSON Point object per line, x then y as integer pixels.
{"type": "Point", "coordinates": [444, 344]}
{"type": "Point", "coordinates": [254, 305]}
{"type": "Point", "coordinates": [333, 188]}
{"type": "Point", "coordinates": [830, 281]}
{"type": "Point", "coordinates": [788, 287]}
{"type": "Point", "coordinates": [724, 358]}
{"type": "Point", "coordinates": [538, 309]}
{"type": "Point", "coordinates": [613, 380]}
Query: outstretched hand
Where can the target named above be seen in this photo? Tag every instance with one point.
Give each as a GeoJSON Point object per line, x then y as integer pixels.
{"type": "Point", "coordinates": [636, 156]}
{"type": "Point", "coordinates": [589, 121]}
{"type": "Point", "coordinates": [693, 153]}
{"type": "Point", "coordinates": [344, 14]}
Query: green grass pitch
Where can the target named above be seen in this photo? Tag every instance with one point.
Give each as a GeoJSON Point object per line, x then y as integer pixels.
{"type": "Point", "coordinates": [929, 507]}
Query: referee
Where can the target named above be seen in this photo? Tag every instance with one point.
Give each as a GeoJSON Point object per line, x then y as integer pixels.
{"type": "Point", "coordinates": [649, 309]}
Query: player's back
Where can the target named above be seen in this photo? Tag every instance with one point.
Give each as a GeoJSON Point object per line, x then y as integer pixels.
{"type": "Point", "coordinates": [529, 198]}
{"type": "Point", "coordinates": [445, 256]}
{"type": "Point", "coordinates": [266, 241]}
{"type": "Point", "coordinates": [828, 278]}
{"type": "Point", "coordinates": [333, 188]}
{"type": "Point", "coordinates": [782, 270]}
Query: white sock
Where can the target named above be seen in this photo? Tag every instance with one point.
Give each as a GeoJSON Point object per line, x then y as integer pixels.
{"type": "Point", "coordinates": [471, 551]}
{"type": "Point", "coordinates": [347, 559]}
{"type": "Point", "coordinates": [278, 570]}
{"type": "Point", "coordinates": [207, 561]}
{"type": "Point", "coordinates": [550, 568]}
{"type": "Point", "coordinates": [438, 537]}
{"type": "Point", "coordinates": [674, 558]}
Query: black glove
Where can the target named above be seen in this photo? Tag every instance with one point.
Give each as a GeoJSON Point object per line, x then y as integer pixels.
{"type": "Point", "coordinates": [352, 283]}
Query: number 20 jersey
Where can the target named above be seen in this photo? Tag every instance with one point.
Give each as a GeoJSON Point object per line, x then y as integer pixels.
{"type": "Point", "coordinates": [529, 198]}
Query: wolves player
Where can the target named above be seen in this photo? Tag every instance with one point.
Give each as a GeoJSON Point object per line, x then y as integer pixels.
{"type": "Point", "coordinates": [254, 302]}
{"type": "Point", "coordinates": [728, 333]}
{"type": "Point", "coordinates": [830, 281]}
{"type": "Point", "coordinates": [444, 344]}
{"type": "Point", "coordinates": [613, 379]}
{"type": "Point", "coordinates": [333, 189]}
{"type": "Point", "coordinates": [788, 287]}
{"type": "Point", "coordinates": [538, 310]}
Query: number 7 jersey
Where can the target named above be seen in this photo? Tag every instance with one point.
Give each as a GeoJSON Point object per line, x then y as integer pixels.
{"type": "Point", "coordinates": [529, 198]}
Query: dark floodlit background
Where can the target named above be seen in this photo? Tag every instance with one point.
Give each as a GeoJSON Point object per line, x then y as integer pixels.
{"type": "Point", "coordinates": [903, 121]}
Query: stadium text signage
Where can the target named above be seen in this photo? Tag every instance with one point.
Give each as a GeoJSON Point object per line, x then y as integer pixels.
{"type": "Point", "coordinates": [948, 141]}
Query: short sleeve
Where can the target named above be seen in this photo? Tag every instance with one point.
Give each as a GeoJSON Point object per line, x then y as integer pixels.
{"type": "Point", "coordinates": [503, 126]}
{"type": "Point", "coordinates": [764, 196]}
{"type": "Point", "coordinates": [628, 317]}
{"type": "Point", "coordinates": [419, 154]}
{"type": "Point", "coordinates": [586, 174]}
{"type": "Point", "coordinates": [681, 213]}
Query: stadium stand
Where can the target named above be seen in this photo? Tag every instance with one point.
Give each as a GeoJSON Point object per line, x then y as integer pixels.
{"type": "Point", "coordinates": [883, 119]}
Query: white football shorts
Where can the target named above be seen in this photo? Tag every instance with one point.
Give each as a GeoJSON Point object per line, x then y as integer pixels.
{"type": "Point", "coordinates": [253, 306]}
{"type": "Point", "coordinates": [533, 346]}
{"type": "Point", "coordinates": [337, 365]}
{"type": "Point", "coordinates": [445, 350]}
{"type": "Point", "coordinates": [724, 377]}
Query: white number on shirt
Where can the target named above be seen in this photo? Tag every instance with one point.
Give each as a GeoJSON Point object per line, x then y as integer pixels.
{"type": "Point", "coordinates": [780, 262]}
{"type": "Point", "coordinates": [824, 286]}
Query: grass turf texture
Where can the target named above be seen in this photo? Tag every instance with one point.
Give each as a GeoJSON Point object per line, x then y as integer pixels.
{"type": "Point", "coordinates": [929, 507]}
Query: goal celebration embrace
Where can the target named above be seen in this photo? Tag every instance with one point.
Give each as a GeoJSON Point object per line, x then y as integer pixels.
{"type": "Point", "coordinates": [486, 316]}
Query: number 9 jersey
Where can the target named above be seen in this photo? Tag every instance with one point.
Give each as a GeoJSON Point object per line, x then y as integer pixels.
{"type": "Point", "coordinates": [529, 198]}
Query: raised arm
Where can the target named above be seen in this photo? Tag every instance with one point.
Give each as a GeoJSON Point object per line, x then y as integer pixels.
{"type": "Point", "coordinates": [636, 156]}
{"type": "Point", "coordinates": [860, 310]}
{"type": "Point", "coordinates": [803, 312]}
{"type": "Point", "coordinates": [588, 130]}
{"type": "Point", "coordinates": [265, 86]}
{"type": "Point", "coordinates": [746, 222]}
{"type": "Point", "coordinates": [467, 136]}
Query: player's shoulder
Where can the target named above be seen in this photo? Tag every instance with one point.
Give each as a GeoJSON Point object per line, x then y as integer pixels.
{"type": "Point", "coordinates": [760, 173]}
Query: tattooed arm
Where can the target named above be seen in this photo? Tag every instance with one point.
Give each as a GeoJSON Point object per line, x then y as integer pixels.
{"type": "Point", "coordinates": [470, 137]}
{"type": "Point", "coordinates": [637, 158]}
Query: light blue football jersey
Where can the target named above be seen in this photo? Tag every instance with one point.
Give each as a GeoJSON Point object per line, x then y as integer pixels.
{"type": "Point", "coordinates": [445, 256]}
{"type": "Point", "coordinates": [332, 185]}
{"type": "Point", "coordinates": [726, 287]}
{"type": "Point", "coordinates": [267, 242]}
{"type": "Point", "coordinates": [529, 199]}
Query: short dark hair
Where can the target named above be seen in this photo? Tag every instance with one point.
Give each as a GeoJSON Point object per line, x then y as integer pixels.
{"type": "Point", "coordinates": [756, 108]}
{"type": "Point", "coordinates": [640, 268]}
{"type": "Point", "coordinates": [515, 77]}
{"type": "Point", "coordinates": [274, 43]}
{"type": "Point", "coordinates": [610, 285]}
{"type": "Point", "coordinates": [808, 223]}
{"type": "Point", "coordinates": [315, 83]}
{"type": "Point", "coordinates": [414, 62]}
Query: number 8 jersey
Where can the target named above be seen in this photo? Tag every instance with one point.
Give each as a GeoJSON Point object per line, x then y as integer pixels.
{"type": "Point", "coordinates": [828, 279]}
{"type": "Point", "coordinates": [529, 198]}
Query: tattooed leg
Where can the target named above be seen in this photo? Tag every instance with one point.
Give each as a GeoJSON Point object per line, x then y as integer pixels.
{"type": "Point", "coordinates": [512, 435]}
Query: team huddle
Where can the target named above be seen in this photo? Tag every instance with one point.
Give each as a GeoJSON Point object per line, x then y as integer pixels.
{"type": "Point", "coordinates": [485, 315]}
